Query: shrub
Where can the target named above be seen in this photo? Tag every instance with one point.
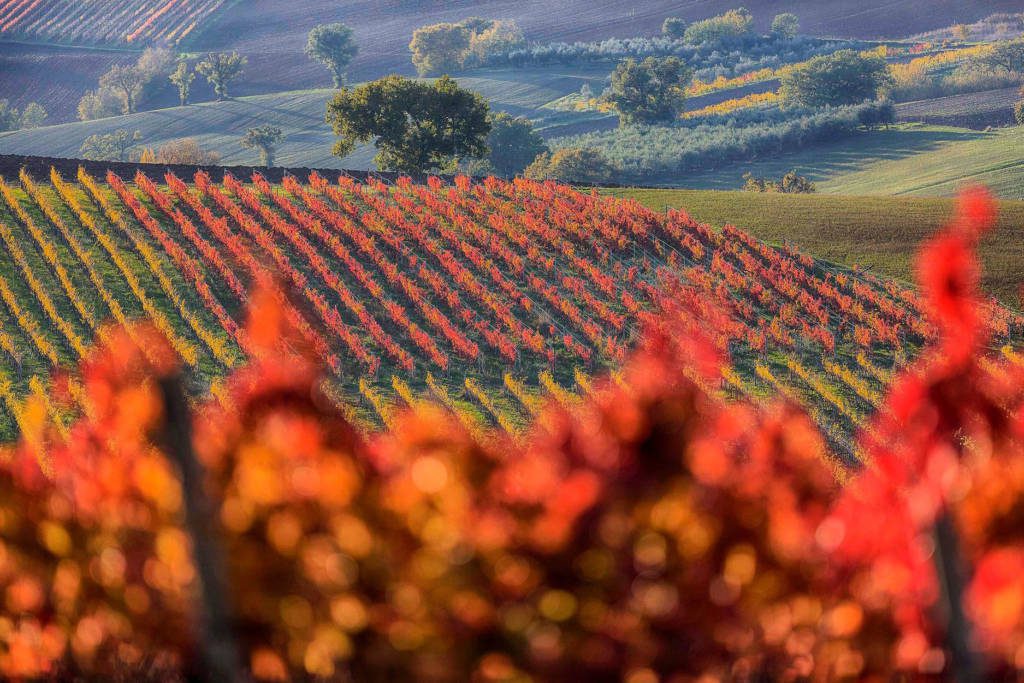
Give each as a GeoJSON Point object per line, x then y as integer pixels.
{"type": "Point", "coordinates": [572, 164]}
{"type": "Point", "coordinates": [184, 151]}
{"type": "Point", "coordinates": [673, 28]}
{"type": "Point", "coordinates": [1018, 112]}
{"type": "Point", "coordinates": [736, 23]}
{"type": "Point", "coordinates": [791, 183]}
{"type": "Point", "coordinates": [786, 25]}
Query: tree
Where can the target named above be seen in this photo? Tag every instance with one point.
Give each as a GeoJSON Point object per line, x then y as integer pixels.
{"type": "Point", "coordinates": [126, 82]}
{"type": "Point", "coordinates": [786, 25]}
{"type": "Point", "coordinates": [1006, 54]}
{"type": "Point", "coordinates": [33, 115]}
{"type": "Point", "coordinates": [263, 138]}
{"type": "Point", "coordinates": [440, 48]}
{"type": "Point", "coordinates": [10, 118]}
{"type": "Point", "coordinates": [185, 151]}
{"type": "Point", "coordinates": [220, 68]}
{"type": "Point", "coordinates": [417, 127]}
{"type": "Point", "coordinates": [651, 91]}
{"type": "Point", "coordinates": [1018, 112]}
{"type": "Point", "coordinates": [155, 65]}
{"type": "Point", "coordinates": [513, 143]}
{"type": "Point", "coordinates": [333, 46]}
{"type": "Point", "coordinates": [116, 146]}
{"type": "Point", "coordinates": [99, 104]}
{"type": "Point", "coordinates": [844, 77]}
{"type": "Point", "coordinates": [673, 28]}
{"type": "Point", "coordinates": [182, 77]}
{"type": "Point", "coordinates": [735, 23]}
{"type": "Point", "coordinates": [575, 164]}
{"type": "Point", "coordinates": [500, 37]}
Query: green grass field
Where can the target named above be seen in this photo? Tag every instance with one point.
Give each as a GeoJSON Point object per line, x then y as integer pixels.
{"type": "Point", "coordinates": [912, 159]}
{"type": "Point", "coordinates": [880, 233]}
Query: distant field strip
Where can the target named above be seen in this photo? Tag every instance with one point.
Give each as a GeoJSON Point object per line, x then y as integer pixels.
{"type": "Point", "coordinates": [104, 22]}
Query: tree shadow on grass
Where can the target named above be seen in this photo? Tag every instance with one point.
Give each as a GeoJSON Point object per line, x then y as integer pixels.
{"type": "Point", "coordinates": [824, 161]}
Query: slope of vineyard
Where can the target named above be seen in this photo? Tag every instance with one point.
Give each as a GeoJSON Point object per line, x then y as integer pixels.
{"type": "Point", "coordinates": [486, 297]}
{"type": "Point", "coordinates": [104, 22]}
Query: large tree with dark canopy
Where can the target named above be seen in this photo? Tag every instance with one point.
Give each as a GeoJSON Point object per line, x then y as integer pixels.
{"type": "Point", "coordinates": [844, 77]}
{"type": "Point", "coordinates": [513, 143]}
{"type": "Point", "coordinates": [417, 127]}
{"type": "Point", "coordinates": [651, 91]}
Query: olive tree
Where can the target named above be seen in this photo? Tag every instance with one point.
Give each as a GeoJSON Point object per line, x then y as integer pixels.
{"type": "Point", "coordinates": [333, 46]}
{"type": "Point", "coordinates": [182, 78]}
{"type": "Point", "coordinates": [220, 68]}
{"type": "Point", "coordinates": [265, 139]}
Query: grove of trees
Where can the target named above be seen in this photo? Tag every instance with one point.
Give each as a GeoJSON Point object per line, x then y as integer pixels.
{"type": "Point", "coordinates": [417, 127]}
{"type": "Point", "coordinates": [450, 47]}
{"type": "Point", "coordinates": [123, 87]}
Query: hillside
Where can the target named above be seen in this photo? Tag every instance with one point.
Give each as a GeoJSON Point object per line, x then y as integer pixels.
{"type": "Point", "coordinates": [994, 159]}
{"type": "Point", "coordinates": [911, 159]}
{"type": "Point", "coordinates": [879, 233]}
{"type": "Point", "coordinates": [300, 114]}
{"type": "Point", "coordinates": [486, 297]}
{"type": "Point", "coordinates": [272, 35]}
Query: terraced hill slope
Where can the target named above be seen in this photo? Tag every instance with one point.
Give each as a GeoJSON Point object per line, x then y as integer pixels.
{"type": "Point", "coordinates": [488, 297]}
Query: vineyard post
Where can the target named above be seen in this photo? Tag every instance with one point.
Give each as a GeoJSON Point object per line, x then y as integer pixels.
{"type": "Point", "coordinates": [216, 637]}
{"type": "Point", "coordinates": [950, 569]}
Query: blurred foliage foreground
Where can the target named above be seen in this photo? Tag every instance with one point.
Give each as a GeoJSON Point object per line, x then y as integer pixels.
{"type": "Point", "coordinates": [656, 533]}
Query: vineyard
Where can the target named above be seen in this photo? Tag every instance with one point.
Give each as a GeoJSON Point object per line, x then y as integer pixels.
{"type": "Point", "coordinates": [487, 297]}
{"type": "Point", "coordinates": [104, 22]}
